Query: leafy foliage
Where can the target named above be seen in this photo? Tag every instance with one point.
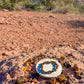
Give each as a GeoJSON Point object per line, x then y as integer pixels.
{"type": "Point", "coordinates": [48, 4]}
{"type": "Point", "coordinates": [56, 6]}
{"type": "Point", "coordinates": [81, 8]}
{"type": "Point", "coordinates": [10, 4]}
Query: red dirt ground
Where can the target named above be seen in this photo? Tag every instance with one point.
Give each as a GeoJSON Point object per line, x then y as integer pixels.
{"type": "Point", "coordinates": [26, 31]}
{"type": "Point", "coordinates": [37, 30]}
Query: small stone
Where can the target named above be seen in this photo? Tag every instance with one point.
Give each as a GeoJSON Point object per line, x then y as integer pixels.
{"type": "Point", "coordinates": [27, 64]}
{"type": "Point", "coordinates": [43, 57]}
{"type": "Point", "coordinates": [65, 80]}
{"type": "Point", "coordinates": [20, 80]}
{"type": "Point", "coordinates": [34, 80]}
{"type": "Point", "coordinates": [67, 64]}
{"type": "Point", "coordinates": [78, 77]}
{"type": "Point", "coordinates": [51, 81]}
{"type": "Point", "coordinates": [28, 61]}
{"type": "Point", "coordinates": [4, 54]}
{"type": "Point", "coordinates": [36, 59]}
{"type": "Point", "coordinates": [41, 54]}
{"type": "Point", "coordinates": [39, 58]}
{"type": "Point", "coordinates": [26, 80]}
{"type": "Point", "coordinates": [77, 73]}
{"type": "Point", "coordinates": [32, 61]}
{"type": "Point", "coordinates": [62, 58]}
{"type": "Point", "coordinates": [76, 67]}
{"type": "Point", "coordinates": [61, 78]}
{"type": "Point", "coordinates": [27, 69]}
{"type": "Point", "coordinates": [54, 56]}
{"type": "Point", "coordinates": [81, 73]}
{"type": "Point", "coordinates": [61, 62]}
{"type": "Point", "coordinates": [51, 16]}
{"type": "Point", "coordinates": [35, 75]}
{"type": "Point", "coordinates": [30, 80]}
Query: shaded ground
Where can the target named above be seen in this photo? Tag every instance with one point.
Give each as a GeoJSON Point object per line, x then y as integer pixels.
{"type": "Point", "coordinates": [23, 32]}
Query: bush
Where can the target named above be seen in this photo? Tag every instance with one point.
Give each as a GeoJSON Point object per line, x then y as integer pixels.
{"type": "Point", "coordinates": [11, 4]}
{"type": "Point", "coordinates": [33, 6]}
{"type": "Point", "coordinates": [19, 6]}
{"type": "Point", "coordinates": [66, 6]}
{"type": "Point", "coordinates": [57, 6]}
{"type": "Point", "coordinates": [81, 8]}
{"type": "Point", "coordinates": [49, 5]}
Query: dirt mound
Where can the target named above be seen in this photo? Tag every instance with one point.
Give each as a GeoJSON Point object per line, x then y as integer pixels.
{"type": "Point", "coordinates": [23, 32]}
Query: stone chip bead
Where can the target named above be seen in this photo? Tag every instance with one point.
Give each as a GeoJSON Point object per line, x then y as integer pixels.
{"type": "Point", "coordinates": [61, 78]}
{"type": "Point", "coordinates": [35, 75]}
{"type": "Point", "coordinates": [54, 56]}
{"type": "Point", "coordinates": [20, 80]}
{"type": "Point", "coordinates": [42, 55]}
{"type": "Point", "coordinates": [61, 62]}
{"type": "Point", "coordinates": [62, 58]}
{"type": "Point", "coordinates": [26, 80]}
{"type": "Point", "coordinates": [67, 64]}
{"type": "Point", "coordinates": [51, 81]}
{"type": "Point", "coordinates": [29, 61]}
{"type": "Point", "coordinates": [27, 64]}
{"type": "Point", "coordinates": [78, 77]}
{"type": "Point", "coordinates": [32, 61]}
{"type": "Point", "coordinates": [29, 69]}
{"type": "Point", "coordinates": [25, 69]}
{"type": "Point", "coordinates": [36, 59]}
{"type": "Point", "coordinates": [34, 80]}
{"type": "Point", "coordinates": [77, 73]}
{"type": "Point", "coordinates": [76, 67]}
{"type": "Point", "coordinates": [30, 79]}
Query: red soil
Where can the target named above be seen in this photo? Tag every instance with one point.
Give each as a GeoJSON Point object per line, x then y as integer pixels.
{"type": "Point", "coordinates": [28, 32]}
{"type": "Point", "coordinates": [37, 30]}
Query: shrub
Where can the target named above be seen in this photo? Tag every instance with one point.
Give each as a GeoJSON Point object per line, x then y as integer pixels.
{"type": "Point", "coordinates": [49, 5]}
{"type": "Point", "coordinates": [11, 4]}
{"type": "Point", "coordinates": [81, 8]}
{"type": "Point", "coordinates": [32, 6]}
{"type": "Point", "coordinates": [66, 6]}
{"type": "Point", "coordinates": [58, 6]}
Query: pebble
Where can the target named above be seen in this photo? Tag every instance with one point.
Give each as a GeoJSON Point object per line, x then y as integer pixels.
{"type": "Point", "coordinates": [81, 73]}
{"type": "Point", "coordinates": [20, 80]}
{"type": "Point", "coordinates": [78, 77]}
{"type": "Point", "coordinates": [76, 67]}
{"type": "Point", "coordinates": [62, 58]}
{"type": "Point", "coordinates": [34, 80]}
{"type": "Point", "coordinates": [30, 79]}
{"type": "Point", "coordinates": [27, 64]}
{"type": "Point", "coordinates": [61, 78]}
{"type": "Point", "coordinates": [67, 64]}
{"type": "Point", "coordinates": [51, 82]}
{"type": "Point", "coordinates": [35, 75]}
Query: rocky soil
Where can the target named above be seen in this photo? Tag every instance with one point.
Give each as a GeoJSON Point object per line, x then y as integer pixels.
{"type": "Point", "coordinates": [25, 34]}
